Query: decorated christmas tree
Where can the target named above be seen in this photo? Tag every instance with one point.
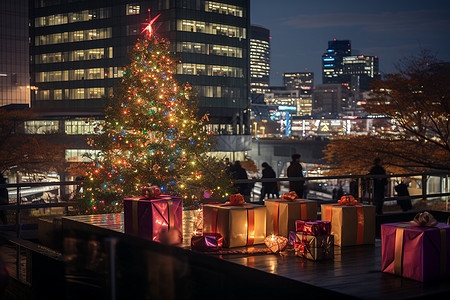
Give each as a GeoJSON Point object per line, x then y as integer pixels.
{"type": "Point", "coordinates": [151, 136]}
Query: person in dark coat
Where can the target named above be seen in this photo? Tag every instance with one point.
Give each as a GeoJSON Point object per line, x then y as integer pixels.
{"type": "Point", "coordinates": [404, 200]}
{"type": "Point", "coordinates": [268, 188]}
{"type": "Point", "coordinates": [238, 172]}
{"type": "Point", "coordinates": [295, 170]}
{"type": "Point", "coordinates": [4, 199]}
{"type": "Point", "coordinates": [378, 185]}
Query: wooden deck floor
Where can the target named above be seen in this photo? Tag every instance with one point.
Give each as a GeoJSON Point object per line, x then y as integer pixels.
{"type": "Point", "coordinates": [355, 271]}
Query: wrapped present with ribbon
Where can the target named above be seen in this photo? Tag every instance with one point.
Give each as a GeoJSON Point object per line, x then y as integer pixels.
{"type": "Point", "coordinates": [418, 250]}
{"type": "Point", "coordinates": [319, 241]}
{"type": "Point", "coordinates": [282, 213]}
{"type": "Point", "coordinates": [240, 223]}
{"type": "Point", "coordinates": [313, 247]}
{"type": "Point", "coordinates": [352, 223]}
{"type": "Point", "coordinates": [313, 227]}
{"type": "Point", "coordinates": [154, 216]}
{"type": "Point", "coordinates": [207, 242]}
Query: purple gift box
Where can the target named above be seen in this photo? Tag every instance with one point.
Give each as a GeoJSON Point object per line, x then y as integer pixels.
{"type": "Point", "coordinates": [419, 253]}
{"type": "Point", "coordinates": [153, 218]}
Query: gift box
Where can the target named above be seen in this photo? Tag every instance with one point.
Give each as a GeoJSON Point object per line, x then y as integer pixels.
{"type": "Point", "coordinates": [318, 241]}
{"type": "Point", "coordinates": [313, 247]}
{"type": "Point", "coordinates": [207, 242]}
{"type": "Point", "coordinates": [313, 227]}
{"type": "Point", "coordinates": [153, 218]}
{"type": "Point", "coordinates": [282, 214]}
{"type": "Point", "coordinates": [242, 225]}
{"type": "Point", "coordinates": [415, 252]}
{"type": "Point", "coordinates": [350, 224]}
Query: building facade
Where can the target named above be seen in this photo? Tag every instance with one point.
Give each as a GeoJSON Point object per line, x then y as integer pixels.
{"type": "Point", "coordinates": [259, 59]}
{"type": "Point", "coordinates": [330, 99]}
{"type": "Point", "coordinates": [339, 66]}
{"type": "Point", "coordinates": [14, 67]}
{"type": "Point", "coordinates": [79, 49]}
{"type": "Point", "coordinates": [299, 80]}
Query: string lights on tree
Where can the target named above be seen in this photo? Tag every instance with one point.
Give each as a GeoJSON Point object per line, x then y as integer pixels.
{"type": "Point", "coordinates": [151, 136]}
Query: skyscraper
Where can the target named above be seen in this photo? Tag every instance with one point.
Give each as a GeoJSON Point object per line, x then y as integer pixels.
{"type": "Point", "coordinates": [332, 68]}
{"type": "Point", "coordinates": [79, 49]}
{"type": "Point", "coordinates": [14, 67]}
{"type": "Point", "coordinates": [259, 59]}
{"type": "Point", "coordinates": [356, 71]}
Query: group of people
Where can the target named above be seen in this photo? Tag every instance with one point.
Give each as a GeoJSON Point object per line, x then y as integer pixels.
{"type": "Point", "coordinates": [269, 188]}
{"type": "Point", "coordinates": [295, 169]}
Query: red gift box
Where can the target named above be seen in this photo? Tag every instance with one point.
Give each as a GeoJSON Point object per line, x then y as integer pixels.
{"type": "Point", "coordinates": [313, 227]}
{"type": "Point", "coordinates": [153, 218]}
{"type": "Point", "coordinates": [416, 252]}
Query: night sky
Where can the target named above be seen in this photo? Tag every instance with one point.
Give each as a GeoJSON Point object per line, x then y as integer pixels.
{"type": "Point", "coordinates": [390, 29]}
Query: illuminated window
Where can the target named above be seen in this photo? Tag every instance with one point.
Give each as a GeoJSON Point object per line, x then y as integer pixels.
{"type": "Point", "coordinates": [133, 9]}
{"type": "Point", "coordinates": [75, 36]}
{"type": "Point", "coordinates": [221, 8]}
{"type": "Point", "coordinates": [41, 127]}
{"type": "Point", "coordinates": [209, 70]}
{"type": "Point", "coordinates": [81, 155]}
{"type": "Point", "coordinates": [211, 28]}
{"type": "Point", "coordinates": [82, 126]}
{"type": "Point", "coordinates": [80, 16]}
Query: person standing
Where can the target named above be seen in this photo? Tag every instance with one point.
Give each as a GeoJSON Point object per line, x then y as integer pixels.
{"type": "Point", "coordinates": [295, 170]}
{"type": "Point", "coordinates": [238, 172]}
{"type": "Point", "coordinates": [4, 200]}
{"type": "Point", "coordinates": [378, 185]}
{"type": "Point", "coordinates": [268, 188]}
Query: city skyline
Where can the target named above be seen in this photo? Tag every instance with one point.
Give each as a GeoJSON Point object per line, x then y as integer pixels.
{"type": "Point", "coordinates": [390, 30]}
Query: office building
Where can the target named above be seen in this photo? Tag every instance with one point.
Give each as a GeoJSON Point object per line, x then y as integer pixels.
{"type": "Point", "coordinates": [339, 66]}
{"type": "Point", "coordinates": [299, 80]}
{"type": "Point", "coordinates": [14, 58]}
{"type": "Point", "coordinates": [359, 71]}
{"type": "Point", "coordinates": [330, 99]}
{"type": "Point", "coordinates": [259, 59]}
{"type": "Point", "coordinates": [79, 49]}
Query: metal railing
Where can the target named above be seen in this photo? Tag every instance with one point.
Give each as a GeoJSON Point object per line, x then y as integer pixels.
{"type": "Point", "coordinates": [364, 188]}
{"type": "Point", "coordinates": [21, 205]}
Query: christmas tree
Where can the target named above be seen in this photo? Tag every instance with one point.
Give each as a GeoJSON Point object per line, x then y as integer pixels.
{"type": "Point", "coordinates": [151, 136]}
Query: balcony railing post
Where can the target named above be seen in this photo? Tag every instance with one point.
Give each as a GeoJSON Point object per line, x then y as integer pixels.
{"type": "Point", "coordinates": [359, 185]}
{"type": "Point", "coordinates": [424, 186]}
{"type": "Point", "coordinates": [18, 227]}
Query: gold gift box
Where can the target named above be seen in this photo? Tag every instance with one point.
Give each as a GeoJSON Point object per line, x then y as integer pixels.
{"type": "Point", "coordinates": [288, 213]}
{"type": "Point", "coordinates": [344, 223]}
{"type": "Point", "coordinates": [318, 247]}
{"type": "Point", "coordinates": [232, 222]}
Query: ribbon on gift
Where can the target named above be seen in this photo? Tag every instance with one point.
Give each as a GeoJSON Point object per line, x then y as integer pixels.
{"type": "Point", "coordinates": [424, 219]}
{"type": "Point", "coordinates": [236, 200]}
{"type": "Point", "coordinates": [291, 196]}
{"type": "Point", "coordinates": [170, 221]}
{"type": "Point", "coordinates": [151, 192]}
{"type": "Point", "coordinates": [348, 201]}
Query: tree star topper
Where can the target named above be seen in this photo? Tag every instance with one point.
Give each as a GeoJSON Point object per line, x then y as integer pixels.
{"type": "Point", "coordinates": [149, 28]}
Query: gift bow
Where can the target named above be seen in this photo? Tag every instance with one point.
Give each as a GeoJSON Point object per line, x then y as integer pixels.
{"type": "Point", "coordinates": [425, 219]}
{"type": "Point", "coordinates": [151, 192]}
{"type": "Point", "coordinates": [291, 196]}
{"type": "Point", "coordinates": [348, 200]}
{"type": "Point", "coordinates": [236, 200]}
